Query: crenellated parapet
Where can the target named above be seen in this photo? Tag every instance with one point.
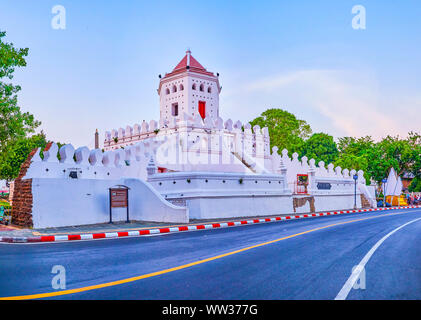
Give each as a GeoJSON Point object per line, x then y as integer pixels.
{"type": "Point", "coordinates": [209, 136]}
{"type": "Point", "coordinates": [317, 173]}
{"type": "Point", "coordinates": [83, 163]}
{"type": "Point", "coordinates": [115, 139]}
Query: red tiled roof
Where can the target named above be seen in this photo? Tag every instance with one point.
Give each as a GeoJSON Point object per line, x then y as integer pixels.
{"type": "Point", "coordinates": [182, 64]}
{"type": "Point", "coordinates": [185, 62]}
{"type": "Point", "coordinates": [188, 63]}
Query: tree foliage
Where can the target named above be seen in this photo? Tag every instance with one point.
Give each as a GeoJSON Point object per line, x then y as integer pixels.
{"type": "Point", "coordinates": [14, 124]}
{"type": "Point", "coordinates": [358, 154]}
{"type": "Point", "coordinates": [320, 147]}
{"type": "Point", "coordinates": [415, 185]}
{"type": "Point", "coordinates": [17, 152]}
{"type": "Point", "coordinates": [285, 130]}
{"type": "Point", "coordinates": [374, 158]}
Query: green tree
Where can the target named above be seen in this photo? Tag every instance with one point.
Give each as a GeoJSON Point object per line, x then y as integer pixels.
{"type": "Point", "coordinates": [401, 154]}
{"type": "Point", "coordinates": [285, 130]}
{"type": "Point", "coordinates": [350, 161]}
{"type": "Point", "coordinates": [376, 159]}
{"type": "Point", "coordinates": [320, 147]}
{"type": "Point", "coordinates": [415, 185]}
{"type": "Point", "coordinates": [17, 152]}
{"type": "Point", "coordinates": [358, 154]}
{"type": "Point", "coordinates": [355, 146]}
{"type": "Point", "coordinates": [14, 124]}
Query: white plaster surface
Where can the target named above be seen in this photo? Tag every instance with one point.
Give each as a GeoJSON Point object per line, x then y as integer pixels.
{"type": "Point", "coordinates": [222, 195]}
{"type": "Point", "coordinates": [67, 202]}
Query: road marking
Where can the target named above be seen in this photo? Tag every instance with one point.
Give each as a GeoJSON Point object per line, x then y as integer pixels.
{"type": "Point", "coordinates": [188, 265]}
{"type": "Point", "coordinates": [357, 271]}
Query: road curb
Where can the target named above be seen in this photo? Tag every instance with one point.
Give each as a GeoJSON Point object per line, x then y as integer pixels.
{"type": "Point", "coordinates": [145, 232]}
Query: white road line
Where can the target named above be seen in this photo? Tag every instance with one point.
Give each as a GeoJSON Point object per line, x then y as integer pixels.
{"type": "Point", "coordinates": [357, 271]}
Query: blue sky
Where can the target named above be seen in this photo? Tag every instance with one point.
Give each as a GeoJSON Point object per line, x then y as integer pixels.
{"type": "Point", "coordinates": [303, 56]}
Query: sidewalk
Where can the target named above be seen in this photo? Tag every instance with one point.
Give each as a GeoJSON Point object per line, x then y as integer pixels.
{"type": "Point", "coordinates": [141, 228]}
{"type": "Point", "coordinates": [121, 226]}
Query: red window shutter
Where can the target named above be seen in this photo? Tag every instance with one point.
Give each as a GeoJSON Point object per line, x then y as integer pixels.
{"type": "Point", "coordinates": [202, 109]}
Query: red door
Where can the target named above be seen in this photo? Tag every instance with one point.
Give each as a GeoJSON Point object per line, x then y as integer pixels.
{"type": "Point", "coordinates": [202, 109]}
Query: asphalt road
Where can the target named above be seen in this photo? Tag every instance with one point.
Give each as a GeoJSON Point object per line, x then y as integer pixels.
{"type": "Point", "coordinates": [302, 259]}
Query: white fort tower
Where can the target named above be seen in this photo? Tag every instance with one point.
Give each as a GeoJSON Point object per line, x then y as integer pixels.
{"type": "Point", "coordinates": [190, 89]}
{"type": "Point", "coordinates": [190, 135]}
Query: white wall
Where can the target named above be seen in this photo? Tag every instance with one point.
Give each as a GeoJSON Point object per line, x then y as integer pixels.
{"type": "Point", "coordinates": [221, 195]}
{"type": "Point", "coordinates": [330, 202]}
{"type": "Point", "coordinates": [334, 202]}
{"type": "Point", "coordinates": [69, 202]}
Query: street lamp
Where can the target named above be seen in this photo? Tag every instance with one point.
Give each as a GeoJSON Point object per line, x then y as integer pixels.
{"type": "Point", "coordinates": [384, 191]}
{"type": "Point", "coordinates": [355, 177]}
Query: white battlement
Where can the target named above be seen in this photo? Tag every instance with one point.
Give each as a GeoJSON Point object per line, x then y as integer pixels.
{"type": "Point", "coordinates": [245, 147]}
{"type": "Point", "coordinates": [122, 137]}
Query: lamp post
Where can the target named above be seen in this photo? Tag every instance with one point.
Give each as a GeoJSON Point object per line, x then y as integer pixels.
{"type": "Point", "coordinates": [355, 177]}
{"type": "Point", "coordinates": [384, 191]}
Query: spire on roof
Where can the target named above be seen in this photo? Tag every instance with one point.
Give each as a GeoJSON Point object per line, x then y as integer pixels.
{"type": "Point", "coordinates": [188, 54]}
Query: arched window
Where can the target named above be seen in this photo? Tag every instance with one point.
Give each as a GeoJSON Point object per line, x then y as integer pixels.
{"type": "Point", "coordinates": [167, 91]}
{"type": "Point", "coordinates": [209, 90]}
{"type": "Point", "coordinates": [181, 87]}
{"type": "Point", "coordinates": [193, 86]}
{"type": "Point", "coordinates": [174, 88]}
{"type": "Point", "coordinates": [201, 88]}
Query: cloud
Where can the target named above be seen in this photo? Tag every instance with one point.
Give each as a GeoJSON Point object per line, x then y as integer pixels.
{"type": "Point", "coordinates": [339, 102]}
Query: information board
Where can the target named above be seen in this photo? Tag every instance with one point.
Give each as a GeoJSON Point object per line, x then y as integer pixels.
{"type": "Point", "coordinates": [118, 198]}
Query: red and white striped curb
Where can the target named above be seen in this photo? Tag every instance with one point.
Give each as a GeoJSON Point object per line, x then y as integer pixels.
{"type": "Point", "coordinates": [145, 232]}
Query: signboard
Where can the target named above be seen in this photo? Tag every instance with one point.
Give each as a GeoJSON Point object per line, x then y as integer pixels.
{"type": "Point", "coordinates": [324, 186]}
{"type": "Point", "coordinates": [118, 198]}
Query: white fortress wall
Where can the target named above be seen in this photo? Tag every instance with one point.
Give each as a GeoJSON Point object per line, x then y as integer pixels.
{"type": "Point", "coordinates": [60, 200]}
{"type": "Point", "coordinates": [221, 195]}
{"type": "Point", "coordinates": [332, 188]}
{"type": "Point", "coordinates": [67, 202]}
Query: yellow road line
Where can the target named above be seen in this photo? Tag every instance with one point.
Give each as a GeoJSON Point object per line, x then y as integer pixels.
{"type": "Point", "coordinates": [188, 265]}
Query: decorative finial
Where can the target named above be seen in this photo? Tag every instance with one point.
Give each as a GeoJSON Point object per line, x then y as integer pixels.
{"type": "Point", "coordinates": [188, 52]}
{"type": "Point", "coordinates": [151, 168]}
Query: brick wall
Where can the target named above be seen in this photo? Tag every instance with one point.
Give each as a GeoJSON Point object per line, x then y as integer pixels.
{"type": "Point", "coordinates": [22, 196]}
{"type": "Point", "coordinates": [300, 202]}
{"type": "Point", "coordinates": [364, 202]}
